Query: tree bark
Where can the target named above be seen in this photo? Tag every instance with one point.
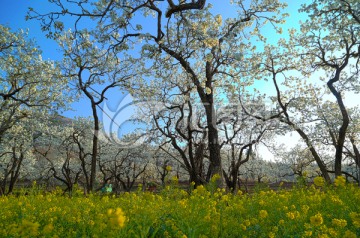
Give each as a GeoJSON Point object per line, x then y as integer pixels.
{"type": "Point", "coordinates": [345, 123]}
{"type": "Point", "coordinates": [94, 147]}
{"type": "Point", "coordinates": [213, 144]}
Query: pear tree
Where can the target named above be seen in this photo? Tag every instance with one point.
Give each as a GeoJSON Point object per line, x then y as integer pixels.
{"type": "Point", "coordinates": [207, 49]}
{"type": "Point", "coordinates": [331, 37]}
{"type": "Point", "coordinates": [28, 83]}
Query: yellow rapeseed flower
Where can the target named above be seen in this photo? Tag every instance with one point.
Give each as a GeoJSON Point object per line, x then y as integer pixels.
{"type": "Point", "coordinates": [117, 218]}
{"type": "Point", "coordinates": [336, 200]}
{"type": "Point", "coordinates": [290, 215]}
{"type": "Point", "coordinates": [275, 229]}
{"type": "Point", "coordinates": [29, 228]}
{"type": "Point", "coordinates": [216, 176]}
{"type": "Point", "coordinates": [349, 234]}
{"type": "Point", "coordinates": [175, 179]}
{"type": "Point", "coordinates": [355, 217]}
{"type": "Point", "coordinates": [332, 232]}
{"type": "Point", "coordinates": [319, 181]}
{"type": "Point", "coordinates": [316, 220]}
{"type": "Point", "coordinates": [263, 214]}
{"type": "Point", "coordinates": [243, 227]}
{"type": "Point", "coordinates": [339, 222]}
{"type": "Point", "coordinates": [48, 228]}
{"type": "Point", "coordinates": [340, 181]}
{"type": "Point", "coordinates": [323, 236]}
{"type": "Point", "coordinates": [305, 208]}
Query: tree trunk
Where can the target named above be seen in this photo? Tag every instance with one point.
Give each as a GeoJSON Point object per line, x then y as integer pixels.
{"type": "Point", "coordinates": [315, 155]}
{"type": "Point", "coordinates": [94, 147]}
{"type": "Point", "coordinates": [356, 152]}
{"type": "Point", "coordinates": [214, 146]}
{"type": "Point", "coordinates": [344, 125]}
{"type": "Point", "coordinates": [15, 171]}
{"type": "Point", "coordinates": [208, 103]}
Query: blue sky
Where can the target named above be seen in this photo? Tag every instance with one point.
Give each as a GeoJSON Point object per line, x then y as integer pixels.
{"type": "Point", "coordinates": [12, 14]}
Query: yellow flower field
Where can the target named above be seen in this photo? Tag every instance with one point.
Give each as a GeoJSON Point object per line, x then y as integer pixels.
{"type": "Point", "coordinates": [327, 211]}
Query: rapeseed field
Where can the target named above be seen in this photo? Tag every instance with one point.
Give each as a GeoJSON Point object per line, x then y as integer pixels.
{"type": "Point", "coordinates": [317, 211]}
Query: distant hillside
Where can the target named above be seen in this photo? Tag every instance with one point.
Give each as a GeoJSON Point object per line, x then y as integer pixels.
{"type": "Point", "coordinates": [61, 120]}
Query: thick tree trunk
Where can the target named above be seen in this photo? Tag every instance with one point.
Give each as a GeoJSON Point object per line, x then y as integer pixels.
{"type": "Point", "coordinates": [207, 100]}
{"type": "Point", "coordinates": [232, 184]}
{"type": "Point", "coordinates": [344, 125]}
{"type": "Point", "coordinates": [94, 147]}
{"type": "Point", "coordinates": [213, 144]}
{"type": "Point", "coordinates": [15, 171]}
